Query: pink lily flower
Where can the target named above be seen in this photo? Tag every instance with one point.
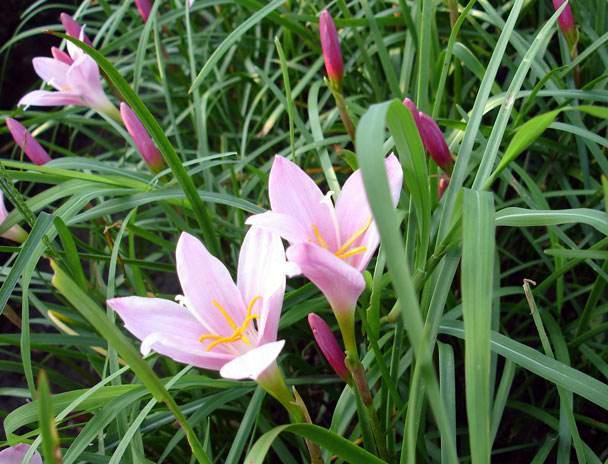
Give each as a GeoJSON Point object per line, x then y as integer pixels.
{"type": "Point", "coordinates": [141, 138]}
{"type": "Point", "coordinates": [219, 325]}
{"type": "Point", "coordinates": [432, 137]}
{"type": "Point", "coordinates": [144, 7]}
{"type": "Point", "coordinates": [330, 44]}
{"type": "Point", "coordinates": [26, 141]}
{"type": "Point", "coordinates": [15, 233]}
{"type": "Point", "coordinates": [15, 454]}
{"type": "Point", "coordinates": [330, 245]}
{"type": "Point", "coordinates": [328, 345]}
{"type": "Point", "coordinates": [74, 75]}
{"type": "Point", "coordinates": [73, 29]}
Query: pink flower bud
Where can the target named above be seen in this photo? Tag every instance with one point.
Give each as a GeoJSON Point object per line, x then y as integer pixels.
{"type": "Point", "coordinates": [61, 56]}
{"type": "Point", "coordinates": [330, 44]}
{"type": "Point", "coordinates": [73, 29]}
{"type": "Point", "coordinates": [329, 345]}
{"type": "Point", "coordinates": [26, 141]}
{"type": "Point", "coordinates": [144, 7]}
{"type": "Point", "coordinates": [444, 181]}
{"type": "Point", "coordinates": [143, 142]}
{"type": "Point", "coordinates": [566, 18]}
{"type": "Point", "coordinates": [432, 137]}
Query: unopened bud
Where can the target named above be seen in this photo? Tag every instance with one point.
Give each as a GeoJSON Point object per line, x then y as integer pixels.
{"type": "Point", "coordinates": [328, 345]}
{"type": "Point", "coordinates": [141, 138]}
{"type": "Point", "coordinates": [26, 141]}
{"type": "Point", "coordinates": [330, 44]}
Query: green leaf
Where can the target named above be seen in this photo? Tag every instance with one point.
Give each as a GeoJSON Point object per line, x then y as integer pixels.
{"type": "Point", "coordinates": [46, 419]}
{"type": "Point", "coordinates": [332, 442]}
{"type": "Point", "coordinates": [478, 246]}
{"type": "Point", "coordinates": [521, 217]}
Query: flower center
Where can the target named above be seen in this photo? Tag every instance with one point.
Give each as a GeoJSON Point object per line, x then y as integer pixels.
{"type": "Point", "coordinates": [238, 333]}
{"type": "Point", "coordinates": [346, 250]}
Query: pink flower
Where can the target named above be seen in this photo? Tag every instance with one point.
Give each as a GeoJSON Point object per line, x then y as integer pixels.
{"type": "Point", "coordinates": [442, 186]}
{"type": "Point", "coordinates": [328, 345]}
{"type": "Point", "coordinates": [73, 29]}
{"type": "Point", "coordinates": [15, 233]}
{"type": "Point", "coordinates": [142, 140]}
{"type": "Point", "coordinates": [431, 136]}
{"type": "Point", "coordinates": [144, 7]}
{"type": "Point", "coordinates": [74, 75]}
{"type": "Point", "coordinates": [30, 146]}
{"type": "Point", "coordinates": [330, 44]}
{"type": "Point", "coordinates": [15, 454]}
{"type": "Point", "coordinates": [329, 245]}
{"type": "Point", "coordinates": [566, 18]}
{"type": "Point", "coordinates": [218, 325]}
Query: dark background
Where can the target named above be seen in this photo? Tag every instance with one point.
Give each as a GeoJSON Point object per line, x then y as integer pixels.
{"type": "Point", "coordinates": [17, 74]}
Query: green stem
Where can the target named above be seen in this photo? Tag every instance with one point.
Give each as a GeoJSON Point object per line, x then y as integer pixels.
{"type": "Point", "coordinates": [336, 90]}
{"type": "Point", "coordinates": [273, 382]}
{"type": "Point", "coordinates": [346, 322]}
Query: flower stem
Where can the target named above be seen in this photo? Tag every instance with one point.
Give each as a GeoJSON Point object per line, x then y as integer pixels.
{"type": "Point", "coordinates": [273, 381]}
{"type": "Point", "coordinates": [336, 90]}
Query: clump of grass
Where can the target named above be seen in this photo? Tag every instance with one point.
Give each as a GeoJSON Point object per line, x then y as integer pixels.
{"type": "Point", "coordinates": [465, 359]}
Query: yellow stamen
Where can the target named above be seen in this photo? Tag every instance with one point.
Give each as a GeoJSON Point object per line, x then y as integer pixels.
{"type": "Point", "coordinates": [319, 237]}
{"type": "Point", "coordinates": [349, 253]}
{"type": "Point", "coordinates": [239, 332]}
{"type": "Point", "coordinates": [346, 245]}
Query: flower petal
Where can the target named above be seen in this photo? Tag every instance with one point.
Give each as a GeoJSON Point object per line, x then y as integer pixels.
{"type": "Point", "coordinates": [339, 281]}
{"type": "Point", "coordinates": [253, 363]}
{"type": "Point", "coordinates": [84, 77]}
{"type": "Point", "coordinates": [167, 328]}
{"type": "Point", "coordinates": [46, 98]}
{"type": "Point", "coordinates": [293, 192]}
{"type": "Point", "coordinates": [205, 280]}
{"type": "Point", "coordinates": [27, 142]}
{"type": "Point", "coordinates": [353, 212]}
{"type": "Point", "coordinates": [15, 454]}
{"type": "Point", "coordinates": [284, 225]}
{"type": "Point", "coordinates": [261, 272]}
{"type": "Point", "coordinates": [52, 71]}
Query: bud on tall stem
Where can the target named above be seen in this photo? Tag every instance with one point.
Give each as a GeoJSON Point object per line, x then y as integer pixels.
{"type": "Point", "coordinates": [142, 140]}
{"type": "Point", "coordinates": [26, 141]}
{"type": "Point", "coordinates": [567, 23]}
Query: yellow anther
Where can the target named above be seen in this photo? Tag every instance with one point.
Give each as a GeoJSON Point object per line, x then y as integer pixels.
{"type": "Point", "coordinates": [320, 240]}
{"type": "Point", "coordinates": [239, 331]}
{"type": "Point", "coordinates": [222, 310]}
{"type": "Point", "coordinates": [346, 245]}
{"type": "Point", "coordinates": [353, 252]}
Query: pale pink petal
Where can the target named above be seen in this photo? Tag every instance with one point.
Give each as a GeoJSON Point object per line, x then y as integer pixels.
{"type": "Point", "coordinates": [16, 232]}
{"type": "Point", "coordinates": [27, 142]}
{"type": "Point", "coordinates": [339, 281]}
{"type": "Point", "coordinates": [73, 29]}
{"type": "Point", "coordinates": [253, 363]}
{"type": "Point", "coordinates": [52, 71]}
{"type": "Point", "coordinates": [144, 7]}
{"type": "Point", "coordinates": [3, 211]}
{"type": "Point", "coordinates": [46, 98]}
{"type": "Point", "coordinates": [167, 328]}
{"type": "Point", "coordinates": [293, 192]}
{"type": "Point", "coordinates": [261, 273]}
{"type": "Point", "coordinates": [284, 225]}
{"type": "Point", "coordinates": [205, 281]}
{"type": "Point", "coordinates": [84, 77]}
{"type": "Point", "coordinates": [61, 56]}
{"type": "Point", "coordinates": [353, 212]}
{"type": "Point", "coordinates": [15, 454]}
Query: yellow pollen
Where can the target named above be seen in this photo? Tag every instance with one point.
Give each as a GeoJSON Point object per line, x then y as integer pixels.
{"type": "Point", "coordinates": [319, 237]}
{"type": "Point", "coordinates": [239, 331]}
{"type": "Point", "coordinates": [353, 252]}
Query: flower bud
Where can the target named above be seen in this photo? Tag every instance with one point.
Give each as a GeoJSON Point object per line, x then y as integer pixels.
{"type": "Point", "coordinates": [566, 21]}
{"type": "Point", "coordinates": [144, 7]}
{"type": "Point", "coordinates": [73, 29]}
{"type": "Point", "coordinates": [432, 137]}
{"type": "Point", "coordinates": [328, 345]}
{"type": "Point", "coordinates": [330, 44]}
{"type": "Point", "coordinates": [142, 140]}
{"type": "Point", "coordinates": [26, 141]}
